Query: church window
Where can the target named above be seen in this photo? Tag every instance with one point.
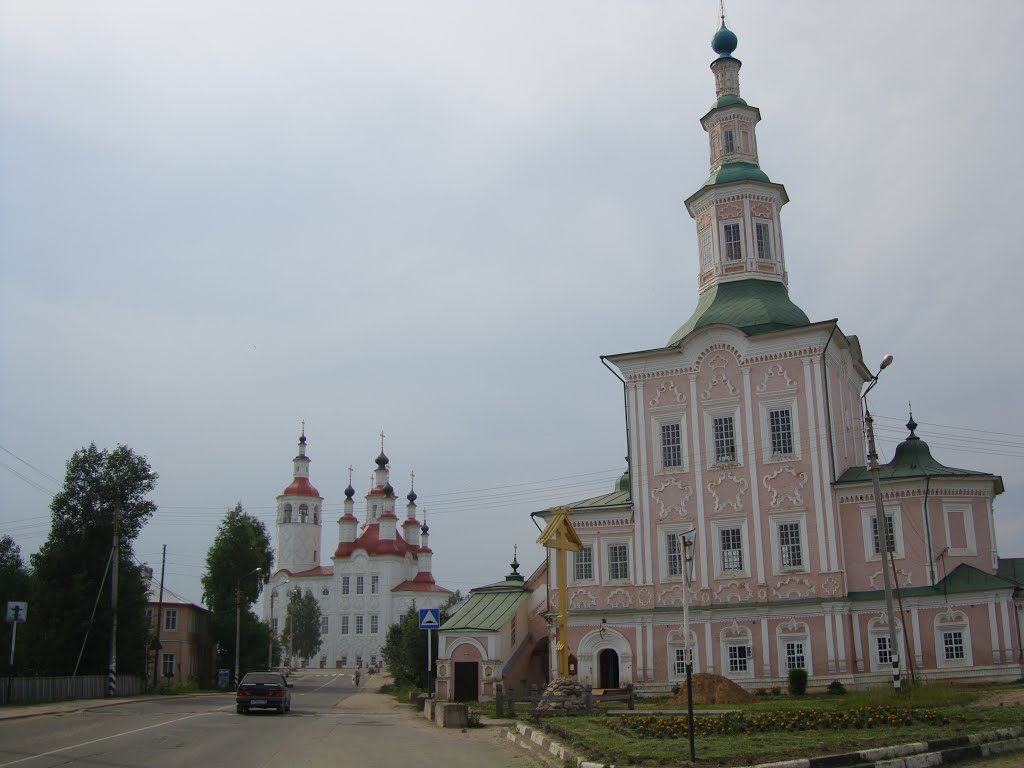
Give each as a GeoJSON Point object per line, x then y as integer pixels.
{"type": "Point", "coordinates": [374, 583]}
{"type": "Point", "coordinates": [733, 244]}
{"type": "Point", "coordinates": [780, 425]}
{"type": "Point", "coordinates": [316, 517]}
{"type": "Point", "coordinates": [738, 659]}
{"type": "Point", "coordinates": [953, 639]}
{"type": "Point", "coordinates": [795, 658]}
{"type": "Point", "coordinates": [671, 445]}
{"type": "Point", "coordinates": [583, 563]}
{"type": "Point", "coordinates": [360, 584]}
{"type": "Point", "coordinates": [287, 513]}
{"type": "Point", "coordinates": [706, 257]}
{"type": "Point", "coordinates": [728, 141]}
{"type": "Point", "coordinates": [618, 562]}
{"type": "Point", "coordinates": [171, 619]}
{"type": "Point", "coordinates": [953, 645]}
{"type": "Point", "coordinates": [724, 435]}
{"type": "Point", "coordinates": [344, 626]}
{"type": "Point", "coordinates": [731, 540]}
{"type": "Point", "coordinates": [763, 231]}
{"type": "Point", "coordinates": [324, 624]}
{"type": "Point", "coordinates": [959, 522]}
{"type": "Point", "coordinates": [883, 650]}
{"type": "Point", "coordinates": [673, 553]}
{"type": "Point", "coordinates": [374, 624]}
{"type": "Point", "coordinates": [345, 585]}
{"type": "Point", "coordinates": [373, 658]}
{"type": "Point", "coordinates": [359, 625]}
{"type": "Point", "coordinates": [325, 591]}
{"type": "Point", "coordinates": [890, 538]}
{"type": "Point", "coordinates": [343, 661]}
{"type": "Point", "coordinates": [303, 513]}
{"type": "Point", "coordinates": [745, 136]}
{"type": "Point", "coordinates": [790, 546]}
{"type": "Point", "coordinates": [359, 661]}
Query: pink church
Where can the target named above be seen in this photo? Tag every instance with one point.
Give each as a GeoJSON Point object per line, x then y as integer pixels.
{"type": "Point", "coordinates": [747, 427]}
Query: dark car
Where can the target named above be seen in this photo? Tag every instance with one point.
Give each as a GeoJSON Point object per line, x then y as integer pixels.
{"type": "Point", "coordinates": [263, 690]}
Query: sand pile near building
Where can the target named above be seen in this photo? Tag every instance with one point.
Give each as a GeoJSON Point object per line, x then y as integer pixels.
{"type": "Point", "coordinates": [712, 689]}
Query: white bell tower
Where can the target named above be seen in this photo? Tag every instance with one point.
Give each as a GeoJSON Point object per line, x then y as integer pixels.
{"type": "Point", "coordinates": [299, 518]}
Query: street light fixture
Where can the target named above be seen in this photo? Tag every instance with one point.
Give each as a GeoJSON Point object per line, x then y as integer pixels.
{"type": "Point", "coordinates": [270, 649]}
{"type": "Point", "coordinates": [238, 616]}
{"type": "Point", "coordinates": [882, 526]}
{"type": "Point", "coordinates": [687, 540]}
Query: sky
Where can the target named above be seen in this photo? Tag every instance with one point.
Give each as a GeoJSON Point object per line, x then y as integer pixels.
{"type": "Point", "coordinates": [430, 219]}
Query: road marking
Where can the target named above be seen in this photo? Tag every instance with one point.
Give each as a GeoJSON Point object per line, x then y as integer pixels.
{"type": "Point", "coordinates": [105, 738]}
{"type": "Point", "coordinates": [322, 686]}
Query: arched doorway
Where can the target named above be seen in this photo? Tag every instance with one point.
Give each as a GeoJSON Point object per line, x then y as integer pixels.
{"type": "Point", "coordinates": [608, 669]}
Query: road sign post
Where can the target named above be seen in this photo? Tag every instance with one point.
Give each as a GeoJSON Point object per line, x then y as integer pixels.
{"type": "Point", "coordinates": [430, 619]}
{"type": "Point", "coordinates": [17, 613]}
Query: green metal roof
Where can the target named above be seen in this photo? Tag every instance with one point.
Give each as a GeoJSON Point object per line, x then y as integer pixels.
{"type": "Point", "coordinates": [754, 306]}
{"type": "Point", "coordinates": [737, 171]}
{"type": "Point", "coordinates": [486, 610]}
{"type": "Point", "coordinates": [620, 497]}
{"type": "Point", "coordinates": [964, 578]}
{"type": "Point", "coordinates": [727, 100]}
{"type": "Point", "coordinates": [1012, 569]}
{"type": "Point", "coordinates": [913, 458]}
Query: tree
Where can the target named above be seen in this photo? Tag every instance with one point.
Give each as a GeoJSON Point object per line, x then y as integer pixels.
{"type": "Point", "coordinates": [71, 569]}
{"type": "Point", "coordinates": [303, 621]}
{"type": "Point", "coordinates": [240, 547]}
{"type": "Point", "coordinates": [15, 584]}
{"type": "Point", "coordinates": [405, 646]}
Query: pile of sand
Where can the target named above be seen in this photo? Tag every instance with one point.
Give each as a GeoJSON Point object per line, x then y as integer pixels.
{"type": "Point", "coordinates": [712, 689]}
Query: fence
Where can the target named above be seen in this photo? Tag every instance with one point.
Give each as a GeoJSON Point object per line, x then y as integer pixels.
{"type": "Point", "coordinates": [505, 700]}
{"type": "Point", "coordinates": [31, 690]}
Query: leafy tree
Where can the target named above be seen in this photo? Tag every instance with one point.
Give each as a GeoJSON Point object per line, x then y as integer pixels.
{"type": "Point", "coordinates": [405, 646]}
{"type": "Point", "coordinates": [71, 569]}
{"type": "Point", "coordinates": [303, 621]}
{"type": "Point", "coordinates": [240, 547]}
{"type": "Point", "coordinates": [15, 584]}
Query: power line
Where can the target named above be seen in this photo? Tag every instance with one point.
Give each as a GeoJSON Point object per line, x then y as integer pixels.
{"type": "Point", "coordinates": [47, 475]}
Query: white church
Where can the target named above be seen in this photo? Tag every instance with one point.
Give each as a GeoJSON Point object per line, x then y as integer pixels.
{"type": "Point", "coordinates": [375, 573]}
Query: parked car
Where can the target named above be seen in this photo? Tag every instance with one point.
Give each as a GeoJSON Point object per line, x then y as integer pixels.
{"type": "Point", "coordinates": [263, 690]}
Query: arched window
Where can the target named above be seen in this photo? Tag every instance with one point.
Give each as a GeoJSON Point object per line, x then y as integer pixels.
{"type": "Point", "coordinates": [880, 651]}
{"type": "Point", "coordinates": [287, 516]}
{"type": "Point", "coordinates": [316, 514]}
{"type": "Point", "coordinates": [677, 653]}
{"type": "Point", "coordinates": [737, 652]}
{"type": "Point", "coordinates": [794, 642]}
{"type": "Point", "coordinates": [303, 513]}
{"type": "Point", "coordinates": [953, 640]}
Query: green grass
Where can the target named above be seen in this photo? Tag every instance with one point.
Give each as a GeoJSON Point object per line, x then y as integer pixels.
{"type": "Point", "coordinates": [593, 738]}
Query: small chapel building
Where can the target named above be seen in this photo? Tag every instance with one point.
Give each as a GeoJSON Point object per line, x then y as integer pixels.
{"type": "Point", "coordinates": [378, 570]}
{"type": "Point", "coordinates": [746, 428]}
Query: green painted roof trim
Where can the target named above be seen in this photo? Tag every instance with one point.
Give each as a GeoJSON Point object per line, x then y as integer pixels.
{"type": "Point", "coordinates": [727, 101]}
{"type": "Point", "coordinates": [754, 306]}
{"type": "Point", "coordinates": [486, 611]}
{"type": "Point", "coordinates": [738, 171]}
{"type": "Point", "coordinates": [964, 578]}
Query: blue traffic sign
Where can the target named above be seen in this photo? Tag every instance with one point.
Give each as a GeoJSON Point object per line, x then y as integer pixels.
{"type": "Point", "coordinates": [430, 618]}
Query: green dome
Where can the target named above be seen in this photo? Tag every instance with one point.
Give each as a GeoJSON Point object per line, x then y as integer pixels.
{"type": "Point", "coordinates": [753, 306]}
{"type": "Point", "coordinates": [724, 42]}
{"type": "Point", "coordinates": [738, 171]}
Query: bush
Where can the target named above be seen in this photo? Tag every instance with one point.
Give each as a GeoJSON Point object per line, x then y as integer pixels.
{"type": "Point", "coordinates": [836, 688]}
{"type": "Point", "coordinates": [676, 689]}
{"type": "Point", "coordinates": [797, 682]}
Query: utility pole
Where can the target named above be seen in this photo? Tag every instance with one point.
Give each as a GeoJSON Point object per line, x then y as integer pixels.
{"type": "Point", "coordinates": [115, 556]}
{"type": "Point", "coordinates": [159, 619]}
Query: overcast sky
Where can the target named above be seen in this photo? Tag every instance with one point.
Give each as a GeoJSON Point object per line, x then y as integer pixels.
{"type": "Point", "coordinates": [218, 219]}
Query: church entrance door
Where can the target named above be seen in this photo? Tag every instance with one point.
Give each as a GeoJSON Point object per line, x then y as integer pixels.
{"type": "Point", "coordinates": [467, 677]}
{"type": "Point", "coordinates": [609, 668]}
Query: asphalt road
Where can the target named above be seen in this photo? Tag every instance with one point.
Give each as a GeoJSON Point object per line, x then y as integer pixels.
{"type": "Point", "coordinates": [331, 724]}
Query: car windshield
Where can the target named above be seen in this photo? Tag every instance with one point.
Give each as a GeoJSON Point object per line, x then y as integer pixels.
{"type": "Point", "coordinates": [265, 678]}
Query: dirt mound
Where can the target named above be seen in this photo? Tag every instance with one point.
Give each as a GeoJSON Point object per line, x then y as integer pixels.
{"type": "Point", "coordinates": [712, 689]}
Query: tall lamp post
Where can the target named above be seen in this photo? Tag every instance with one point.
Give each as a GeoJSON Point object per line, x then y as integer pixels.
{"type": "Point", "coordinates": [686, 546]}
{"type": "Point", "coordinates": [238, 616]}
{"type": "Point", "coordinates": [270, 649]}
{"type": "Point", "coordinates": [882, 526]}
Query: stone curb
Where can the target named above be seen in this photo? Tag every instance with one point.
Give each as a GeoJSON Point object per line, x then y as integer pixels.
{"type": "Point", "coordinates": [913, 755]}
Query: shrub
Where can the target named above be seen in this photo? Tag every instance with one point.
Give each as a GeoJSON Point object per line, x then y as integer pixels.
{"type": "Point", "coordinates": [797, 682]}
{"type": "Point", "coordinates": [676, 689]}
{"type": "Point", "coordinates": [836, 688]}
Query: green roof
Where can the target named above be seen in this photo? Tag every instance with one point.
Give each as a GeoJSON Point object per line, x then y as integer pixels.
{"type": "Point", "coordinates": [486, 610]}
{"type": "Point", "coordinates": [728, 100]}
{"type": "Point", "coordinates": [620, 497]}
{"type": "Point", "coordinates": [1012, 569]}
{"type": "Point", "coordinates": [964, 578]}
{"type": "Point", "coordinates": [738, 171]}
{"type": "Point", "coordinates": [754, 306]}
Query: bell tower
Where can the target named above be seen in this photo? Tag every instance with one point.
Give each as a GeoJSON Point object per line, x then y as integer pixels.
{"type": "Point", "coordinates": [299, 518]}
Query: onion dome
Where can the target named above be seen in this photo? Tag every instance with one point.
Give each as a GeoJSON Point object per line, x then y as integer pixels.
{"type": "Point", "coordinates": [724, 42]}
{"type": "Point", "coordinates": [388, 490]}
{"type": "Point", "coordinates": [425, 529]}
{"type": "Point", "coordinates": [382, 460]}
{"type": "Point", "coordinates": [350, 491]}
{"type": "Point", "coordinates": [412, 497]}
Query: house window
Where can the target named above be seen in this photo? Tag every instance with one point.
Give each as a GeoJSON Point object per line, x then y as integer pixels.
{"type": "Point", "coordinates": [890, 538]}
{"type": "Point", "coordinates": [706, 255]}
{"type": "Point", "coordinates": [732, 548]}
{"type": "Point", "coordinates": [780, 427]}
{"type": "Point", "coordinates": [674, 556]}
{"type": "Point", "coordinates": [359, 625]}
{"type": "Point", "coordinates": [583, 564]}
{"type": "Point", "coordinates": [149, 615]}
{"type": "Point", "coordinates": [374, 624]}
{"type": "Point", "coordinates": [733, 245]}
{"type": "Point", "coordinates": [728, 142]}
{"type": "Point", "coordinates": [324, 624]}
{"type": "Point", "coordinates": [618, 562]}
{"type": "Point", "coordinates": [724, 438]}
{"type": "Point", "coordinates": [360, 584]}
{"type": "Point", "coordinates": [171, 619]}
{"type": "Point", "coordinates": [671, 446]}
{"type": "Point", "coordinates": [763, 231]}
{"type": "Point", "coordinates": [790, 548]}
{"type": "Point", "coordinates": [795, 655]}
{"type": "Point", "coordinates": [345, 585]}
{"type": "Point", "coordinates": [374, 583]}
{"type": "Point", "coordinates": [344, 625]}
{"type": "Point", "coordinates": [344, 661]}
{"type": "Point", "coordinates": [168, 665]}
{"type": "Point", "coordinates": [373, 658]}
{"type": "Point", "coordinates": [359, 660]}
{"type": "Point", "coordinates": [738, 655]}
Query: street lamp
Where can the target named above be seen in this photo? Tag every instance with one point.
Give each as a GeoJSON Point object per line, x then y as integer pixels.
{"type": "Point", "coordinates": [687, 540]}
{"type": "Point", "coordinates": [270, 649]}
{"type": "Point", "coordinates": [882, 525]}
{"type": "Point", "coordinates": [238, 616]}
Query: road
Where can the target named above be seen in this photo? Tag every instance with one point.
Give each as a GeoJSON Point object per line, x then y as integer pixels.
{"type": "Point", "coordinates": [331, 724]}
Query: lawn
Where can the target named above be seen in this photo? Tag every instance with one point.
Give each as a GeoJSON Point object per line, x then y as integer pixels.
{"type": "Point", "coordinates": [785, 727]}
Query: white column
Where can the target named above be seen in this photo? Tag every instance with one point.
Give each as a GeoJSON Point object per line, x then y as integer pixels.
{"type": "Point", "coordinates": [642, 544]}
{"type": "Point", "coordinates": [830, 644]}
{"type": "Point", "coordinates": [915, 624]}
{"type": "Point", "coordinates": [993, 629]}
{"type": "Point", "coordinates": [823, 455]}
{"type": "Point", "coordinates": [698, 479]}
{"type": "Point", "coordinates": [813, 455]}
{"type": "Point", "coordinates": [1008, 638]}
{"type": "Point", "coordinates": [858, 650]}
{"type": "Point", "coordinates": [766, 654]}
{"type": "Point", "coordinates": [752, 468]}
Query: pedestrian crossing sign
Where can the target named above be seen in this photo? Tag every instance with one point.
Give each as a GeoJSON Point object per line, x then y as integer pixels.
{"type": "Point", "coordinates": [430, 618]}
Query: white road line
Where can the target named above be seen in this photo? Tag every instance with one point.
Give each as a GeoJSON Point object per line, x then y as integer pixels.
{"type": "Point", "coordinates": [322, 686]}
{"type": "Point", "coordinates": [105, 738]}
